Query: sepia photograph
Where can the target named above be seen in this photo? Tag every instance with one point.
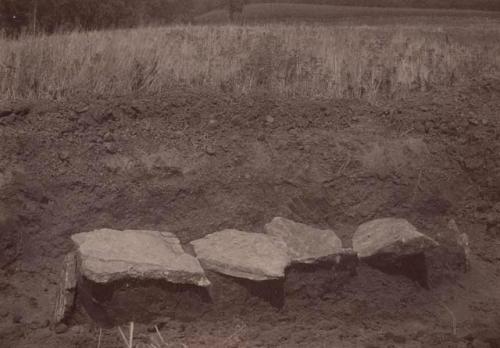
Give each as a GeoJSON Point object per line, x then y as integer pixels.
{"type": "Point", "coordinates": [249, 173]}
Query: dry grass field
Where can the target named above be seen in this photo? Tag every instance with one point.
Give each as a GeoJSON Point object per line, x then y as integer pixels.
{"type": "Point", "coordinates": [310, 60]}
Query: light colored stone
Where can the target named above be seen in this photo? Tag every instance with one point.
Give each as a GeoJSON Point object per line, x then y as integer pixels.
{"type": "Point", "coordinates": [463, 242]}
{"type": "Point", "coordinates": [389, 236]}
{"type": "Point", "coordinates": [107, 255]}
{"type": "Point", "coordinates": [305, 244]}
{"type": "Point", "coordinates": [67, 289]}
{"type": "Point", "coordinates": [240, 254]}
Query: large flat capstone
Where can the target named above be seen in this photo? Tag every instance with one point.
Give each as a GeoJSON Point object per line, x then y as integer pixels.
{"type": "Point", "coordinates": [305, 244]}
{"type": "Point", "coordinates": [107, 255]}
{"type": "Point", "coordinates": [390, 236]}
{"type": "Point", "coordinates": [240, 254]}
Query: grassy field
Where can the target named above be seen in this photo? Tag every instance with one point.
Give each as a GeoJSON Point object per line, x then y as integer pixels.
{"type": "Point", "coordinates": [324, 61]}
{"type": "Point", "coordinates": [348, 14]}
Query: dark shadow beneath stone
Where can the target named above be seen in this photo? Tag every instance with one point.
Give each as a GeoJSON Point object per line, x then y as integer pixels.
{"type": "Point", "coordinates": [227, 291]}
{"type": "Point", "coordinates": [271, 291]}
{"type": "Point", "coordinates": [9, 236]}
{"type": "Point", "coordinates": [140, 301]}
{"type": "Point", "coordinates": [446, 263]}
{"type": "Point", "coordinates": [412, 266]}
{"type": "Point", "coordinates": [321, 278]}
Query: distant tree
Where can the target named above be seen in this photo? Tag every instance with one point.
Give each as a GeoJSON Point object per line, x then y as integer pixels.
{"type": "Point", "coordinates": [235, 7]}
{"type": "Point", "coordinates": [14, 15]}
{"type": "Point", "coordinates": [53, 15]}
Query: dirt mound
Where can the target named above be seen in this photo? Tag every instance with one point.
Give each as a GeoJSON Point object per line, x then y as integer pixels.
{"type": "Point", "coordinates": [194, 162]}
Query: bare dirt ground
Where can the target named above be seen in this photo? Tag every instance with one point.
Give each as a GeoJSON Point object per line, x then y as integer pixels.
{"type": "Point", "coordinates": [193, 162]}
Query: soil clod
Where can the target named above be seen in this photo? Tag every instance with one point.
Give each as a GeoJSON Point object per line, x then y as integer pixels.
{"type": "Point", "coordinates": [60, 328]}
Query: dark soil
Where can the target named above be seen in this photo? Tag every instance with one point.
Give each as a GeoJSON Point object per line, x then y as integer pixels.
{"type": "Point", "coordinates": [194, 162]}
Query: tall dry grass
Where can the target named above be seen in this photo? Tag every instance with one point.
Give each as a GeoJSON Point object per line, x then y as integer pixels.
{"type": "Point", "coordinates": [307, 60]}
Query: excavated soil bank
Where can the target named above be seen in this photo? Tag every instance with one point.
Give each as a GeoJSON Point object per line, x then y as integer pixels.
{"type": "Point", "coordinates": [194, 162]}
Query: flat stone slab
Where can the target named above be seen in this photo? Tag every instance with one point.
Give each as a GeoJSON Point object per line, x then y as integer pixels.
{"type": "Point", "coordinates": [107, 255]}
{"type": "Point", "coordinates": [253, 256]}
{"type": "Point", "coordinates": [67, 289]}
{"type": "Point", "coordinates": [305, 244]}
{"type": "Point", "coordinates": [390, 236]}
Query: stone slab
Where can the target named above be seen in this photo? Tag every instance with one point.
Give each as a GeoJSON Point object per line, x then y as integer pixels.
{"type": "Point", "coordinates": [253, 256]}
{"type": "Point", "coordinates": [305, 244]}
{"type": "Point", "coordinates": [390, 236]}
{"type": "Point", "coordinates": [108, 255]}
{"type": "Point", "coordinates": [65, 298]}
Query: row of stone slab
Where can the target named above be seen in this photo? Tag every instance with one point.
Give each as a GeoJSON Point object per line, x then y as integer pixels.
{"type": "Point", "coordinates": [107, 255]}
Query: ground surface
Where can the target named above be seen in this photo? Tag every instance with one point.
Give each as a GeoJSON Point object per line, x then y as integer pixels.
{"type": "Point", "coordinates": [194, 162]}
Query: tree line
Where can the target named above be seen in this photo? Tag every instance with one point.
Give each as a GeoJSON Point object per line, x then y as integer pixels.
{"type": "Point", "coordinates": [52, 15]}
